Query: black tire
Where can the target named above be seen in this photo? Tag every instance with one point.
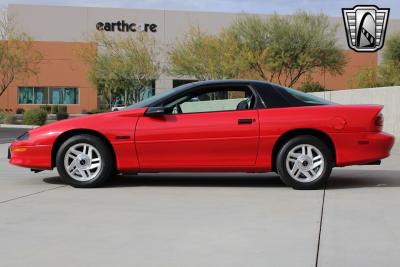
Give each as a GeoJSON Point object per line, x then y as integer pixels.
{"type": "Point", "coordinates": [320, 179]}
{"type": "Point", "coordinates": [107, 166]}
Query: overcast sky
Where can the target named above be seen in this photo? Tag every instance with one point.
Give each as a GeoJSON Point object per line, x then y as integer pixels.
{"type": "Point", "coordinates": [330, 7]}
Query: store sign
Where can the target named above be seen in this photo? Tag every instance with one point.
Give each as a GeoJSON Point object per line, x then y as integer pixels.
{"type": "Point", "coordinates": [123, 26]}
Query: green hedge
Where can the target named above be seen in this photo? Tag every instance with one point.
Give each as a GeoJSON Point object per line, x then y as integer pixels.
{"type": "Point", "coordinates": [10, 119]}
{"type": "Point", "coordinates": [46, 108]}
{"type": "Point", "coordinates": [35, 117]}
{"type": "Point", "coordinates": [2, 116]}
{"type": "Point", "coordinates": [58, 109]}
{"type": "Point", "coordinates": [62, 116]}
{"type": "Point", "coordinates": [62, 109]}
{"type": "Point", "coordinates": [20, 111]}
{"type": "Point", "coordinates": [312, 87]}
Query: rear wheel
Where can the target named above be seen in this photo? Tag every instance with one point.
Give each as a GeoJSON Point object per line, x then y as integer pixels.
{"type": "Point", "coordinates": [304, 162]}
{"type": "Point", "coordinates": [84, 161]}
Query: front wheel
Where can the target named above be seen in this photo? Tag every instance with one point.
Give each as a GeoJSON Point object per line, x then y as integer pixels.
{"type": "Point", "coordinates": [84, 161]}
{"type": "Point", "coordinates": [304, 162]}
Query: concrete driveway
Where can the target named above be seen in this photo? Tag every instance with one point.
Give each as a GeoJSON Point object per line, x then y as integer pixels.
{"type": "Point", "coordinates": [201, 220]}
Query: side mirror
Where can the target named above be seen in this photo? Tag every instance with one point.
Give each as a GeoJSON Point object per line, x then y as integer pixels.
{"type": "Point", "coordinates": [155, 111]}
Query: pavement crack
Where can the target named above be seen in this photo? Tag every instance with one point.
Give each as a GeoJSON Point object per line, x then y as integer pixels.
{"type": "Point", "coordinates": [320, 225]}
{"type": "Point", "coordinates": [31, 194]}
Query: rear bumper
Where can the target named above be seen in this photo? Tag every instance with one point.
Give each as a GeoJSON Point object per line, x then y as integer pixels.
{"type": "Point", "coordinates": [34, 157]}
{"type": "Point", "coordinates": [362, 148]}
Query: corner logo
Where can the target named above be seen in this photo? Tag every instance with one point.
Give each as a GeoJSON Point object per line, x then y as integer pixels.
{"type": "Point", "coordinates": [365, 27]}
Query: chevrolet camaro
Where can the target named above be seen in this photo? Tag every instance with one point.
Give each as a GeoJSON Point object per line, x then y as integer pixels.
{"type": "Point", "coordinates": [212, 126]}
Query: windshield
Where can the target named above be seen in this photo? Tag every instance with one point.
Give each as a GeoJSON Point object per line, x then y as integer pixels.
{"type": "Point", "coordinates": [307, 98]}
{"type": "Point", "coordinates": [149, 101]}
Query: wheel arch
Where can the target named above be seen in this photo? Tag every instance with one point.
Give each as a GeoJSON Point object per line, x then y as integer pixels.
{"type": "Point", "coordinates": [303, 131]}
{"type": "Point", "coordinates": [68, 134]}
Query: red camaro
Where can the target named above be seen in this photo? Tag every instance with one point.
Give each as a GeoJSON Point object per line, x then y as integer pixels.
{"type": "Point", "coordinates": [213, 126]}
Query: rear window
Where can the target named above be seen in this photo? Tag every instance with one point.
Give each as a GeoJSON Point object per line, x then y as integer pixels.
{"type": "Point", "coordinates": [304, 97]}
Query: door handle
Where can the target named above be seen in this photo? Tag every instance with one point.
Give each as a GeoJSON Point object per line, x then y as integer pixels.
{"type": "Point", "coordinates": [246, 121]}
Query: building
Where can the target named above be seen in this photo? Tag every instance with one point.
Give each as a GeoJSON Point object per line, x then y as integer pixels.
{"type": "Point", "coordinates": [59, 32]}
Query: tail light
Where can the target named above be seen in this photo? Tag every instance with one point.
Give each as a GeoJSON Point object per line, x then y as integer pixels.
{"type": "Point", "coordinates": [379, 122]}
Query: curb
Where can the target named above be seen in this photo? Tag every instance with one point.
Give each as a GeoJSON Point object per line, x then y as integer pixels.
{"type": "Point", "coordinates": [18, 126]}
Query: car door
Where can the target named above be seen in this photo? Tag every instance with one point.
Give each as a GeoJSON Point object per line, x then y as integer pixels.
{"type": "Point", "coordinates": [208, 128]}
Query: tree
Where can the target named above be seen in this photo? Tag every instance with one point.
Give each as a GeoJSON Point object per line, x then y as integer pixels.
{"type": "Point", "coordinates": [366, 77]}
{"type": "Point", "coordinates": [205, 56]}
{"type": "Point", "coordinates": [284, 49]}
{"type": "Point", "coordinates": [18, 57]}
{"type": "Point", "coordinates": [122, 65]}
{"type": "Point", "coordinates": [389, 70]}
{"type": "Point", "coordinates": [385, 74]}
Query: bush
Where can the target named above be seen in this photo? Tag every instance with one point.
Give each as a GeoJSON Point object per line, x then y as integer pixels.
{"type": "Point", "coordinates": [62, 109]}
{"type": "Point", "coordinates": [93, 111]}
{"type": "Point", "coordinates": [2, 116]}
{"type": "Point", "coordinates": [365, 78]}
{"type": "Point", "coordinates": [310, 86]}
{"type": "Point", "coordinates": [46, 108]}
{"type": "Point", "coordinates": [20, 111]}
{"type": "Point", "coordinates": [35, 117]}
{"type": "Point", "coordinates": [62, 116]}
{"type": "Point", "coordinates": [54, 109]}
{"type": "Point", "coordinates": [10, 119]}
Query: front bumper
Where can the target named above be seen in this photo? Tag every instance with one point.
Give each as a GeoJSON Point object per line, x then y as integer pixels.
{"type": "Point", "coordinates": [32, 156]}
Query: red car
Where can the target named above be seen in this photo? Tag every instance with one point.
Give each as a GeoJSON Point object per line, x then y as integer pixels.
{"type": "Point", "coordinates": [213, 126]}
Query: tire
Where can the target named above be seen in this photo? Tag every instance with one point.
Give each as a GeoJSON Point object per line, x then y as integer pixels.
{"type": "Point", "coordinates": [85, 161]}
{"type": "Point", "coordinates": [304, 162]}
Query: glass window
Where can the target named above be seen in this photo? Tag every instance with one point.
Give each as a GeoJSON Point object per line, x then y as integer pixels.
{"type": "Point", "coordinates": [45, 95]}
{"type": "Point", "coordinates": [306, 98]}
{"type": "Point", "coordinates": [213, 100]}
{"type": "Point", "coordinates": [56, 96]}
{"type": "Point", "coordinates": [64, 96]}
{"type": "Point", "coordinates": [71, 96]}
{"type": "Point", "coordinates": [25, 95]}
{"type": "Point", "coordinates": [40, 95]}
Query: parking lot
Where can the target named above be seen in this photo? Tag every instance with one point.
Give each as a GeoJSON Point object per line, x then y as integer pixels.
{"type": "Point", "coordinates": [201, 220]}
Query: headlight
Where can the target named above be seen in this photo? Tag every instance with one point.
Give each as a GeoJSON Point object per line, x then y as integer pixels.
{"type": "Point", "coordinates": [23, 136]}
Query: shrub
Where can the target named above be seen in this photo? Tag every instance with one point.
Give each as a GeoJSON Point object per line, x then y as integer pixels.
{"type": "Point", "coordinates": [46, 108]}
{"type": "Point", "coordinates": [93, 111]}
{"type": "Point", "coordinates": [62, 116]}
{"type": "Point", "coordinates": [310, 86]}
{"type": "Point", "coordinates": [54, 109]}
{"type": "Point", "coordinates": [10, 119]}
{"type": "Point", "coordinates": [35, 117]}
{"type": "Point", "coordinates": [62, 109]}
{"type": "Point", "coordinates": [365, 78]}
{"type": "Point", "coordinates": [2, 116]}
{"type": "Point", "coordinates": [20, 111]}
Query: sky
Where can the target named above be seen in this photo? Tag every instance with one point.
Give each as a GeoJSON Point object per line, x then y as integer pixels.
{"type": "Point", "coordinates": [329, 7]}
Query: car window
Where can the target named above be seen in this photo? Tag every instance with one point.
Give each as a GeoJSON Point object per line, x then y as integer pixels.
{"type": "Point", "coordinates": [212, 100]}
{"type": "Point", "coordinates": [306, 98]}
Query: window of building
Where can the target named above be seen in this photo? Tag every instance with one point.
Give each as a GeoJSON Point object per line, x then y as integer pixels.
{"type": "Point", "coordinates": [48, 95]}
{"type": "Point", "coordinates": [40, 95]}
{"type": "Point", "coordinates": [64, 96]}
{"type": "Point", "coordinates": [25, 95]}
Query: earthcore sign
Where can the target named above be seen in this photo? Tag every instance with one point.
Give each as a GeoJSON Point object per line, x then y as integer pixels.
{"type": "Point", "coordinates": [122, 26]}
